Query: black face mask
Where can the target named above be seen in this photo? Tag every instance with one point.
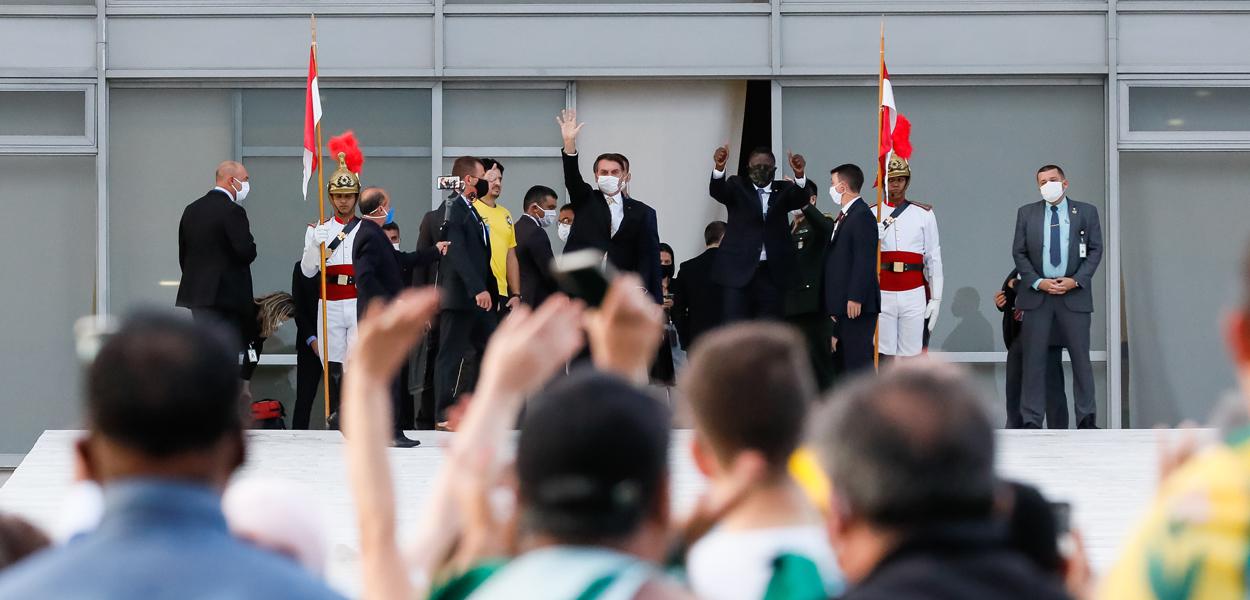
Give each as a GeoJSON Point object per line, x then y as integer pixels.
{"type": "Point", "coordinates": [761, 175]}
{"type": "Point", "coordinates": [667, 271]}
{"type": "Point", "coordinates": [482, 188]}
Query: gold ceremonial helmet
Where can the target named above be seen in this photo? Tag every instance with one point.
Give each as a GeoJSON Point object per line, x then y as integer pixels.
{"type": "Point", "coordinates": [897, 167]}
{"type": "Point", "coordinates": [343, 181]}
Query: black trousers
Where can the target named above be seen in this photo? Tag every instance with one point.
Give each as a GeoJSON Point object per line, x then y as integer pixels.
{"type": "Point", "coordinates": [760, 298]}
{"type": "Point", "coordinates": [421, 368]}
{"type": "Point", "coordinates": [242, 325]}
{"type": "Point", "coordinates": [855, 343]}
{"type": "Point", "coordinates": [461, 341]}
{"type": "Point", "coordinates": [817, 329]}
{"type": "Point", "coordinates": [1056, 394]}
{"type": "Point", "coordinates": [307, 382]}
{"type": "Point", "coordinates": [1035, 335]}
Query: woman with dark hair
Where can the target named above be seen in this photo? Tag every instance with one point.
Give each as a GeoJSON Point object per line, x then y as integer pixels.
{"type": "Point", "coordinates": [663, 370]}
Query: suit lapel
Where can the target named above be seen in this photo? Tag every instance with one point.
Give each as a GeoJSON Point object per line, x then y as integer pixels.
{"type": "Point", "coordinates": [1038, 223]}
{"type": "Point", "coordinates": [1076, 224]}
{"type": "Point", "coordinates": [627, 208]}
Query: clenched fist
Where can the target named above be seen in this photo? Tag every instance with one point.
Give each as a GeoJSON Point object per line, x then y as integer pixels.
{"type": "Point", "coordinates": [720, 157]}
{"type": "Point", "coordinates": [797, 163]}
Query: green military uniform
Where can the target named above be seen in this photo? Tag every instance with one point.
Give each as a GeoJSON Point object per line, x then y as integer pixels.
{"type": "Point", "coordinates": [802, 302]}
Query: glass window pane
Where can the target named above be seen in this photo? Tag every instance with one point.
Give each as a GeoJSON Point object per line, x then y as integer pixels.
{"type": "Point", "coordinates": [380, 117]}
{"type": "Point", "coordinates": [279, 215]}
{"type": "Point", "coordinates": [976, 151]}
{"type": "Point", "coordinates": [53, 112]}
{"type": "Point", "coordinates": [51, 261]}
{"type": "Point", "coordinates": [475, 118]}
{"type": "Point", "coordinates": [1189, 108]}
{"type": "Point", "coordinates": [153, 174]}
{"type": "Point", "coordinates": [1180, 275]}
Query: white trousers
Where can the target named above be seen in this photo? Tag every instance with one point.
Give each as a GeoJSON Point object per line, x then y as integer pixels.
{"type": "Point", "coordinates": [902, 322]}
{"type": "Point", "coordinates": [342, 325]}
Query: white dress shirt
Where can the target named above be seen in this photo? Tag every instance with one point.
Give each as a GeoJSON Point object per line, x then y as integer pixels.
{"type": "Point", "coordinates": [616, 206]}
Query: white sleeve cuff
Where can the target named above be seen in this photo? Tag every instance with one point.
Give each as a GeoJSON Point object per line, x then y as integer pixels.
{"type": "Point", "coordinates": [801, 182]}
{"type": "Point", "coordinates": [718, 174]}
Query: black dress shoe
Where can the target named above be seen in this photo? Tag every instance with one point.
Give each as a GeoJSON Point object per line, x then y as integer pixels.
{"type": "Point", "coordinates": [1031, 426]}
{"type": "Point", "coordinates": [403, 441]}
{"type": "Point", "coordinates": [1088, 423]}
{"type": "Point", "coordinates": [332, 421]}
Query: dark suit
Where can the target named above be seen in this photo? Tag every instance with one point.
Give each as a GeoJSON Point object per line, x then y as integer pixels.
{"type": "Point", "coordinates": [697, 300]}
{"type": "Point", "coordinates": [534, 255]}
{"type": "Point", "coordinates": [421, 362]}
{"type": "Point", "coordinates": [306, 293]}
{"type": "Point", "coordinates": [379, 276]}
{"type": "Point", "coordinates": [464, 328]}
{"type": "Point", "coordinates": [851, 275]}
{"type": "Point", "coordinates": [1070, 312]}
{"type": "Point", "coordinates": [754, 288]}
{"type": "Point", "coordinates": [1056, 395]}
{"type": "Point", "coordinates": [215, 253]}
{"type": "Point", "coordinates": [636, 245]}
{"type": "Point", "coordinates": [802, 306]}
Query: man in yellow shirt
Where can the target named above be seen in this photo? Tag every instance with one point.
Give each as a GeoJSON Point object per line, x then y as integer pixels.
{"type": "Point", "coordinates": [503, 262]}
{"type": "Point", "coordinates": [1195, 540]}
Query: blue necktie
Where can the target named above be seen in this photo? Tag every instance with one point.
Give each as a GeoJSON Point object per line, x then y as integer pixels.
{"type": "Point", "coordinates": [1055, 257]}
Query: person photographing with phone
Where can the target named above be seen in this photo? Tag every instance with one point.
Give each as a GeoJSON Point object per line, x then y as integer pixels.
{"type": "Point", "coordinates": [467, 315]}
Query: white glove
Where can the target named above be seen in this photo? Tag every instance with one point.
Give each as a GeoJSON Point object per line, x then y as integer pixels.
{"type": "Point", "coordinates": [321, 233]}
{"type": "Point", "coordinates": [931, 312]}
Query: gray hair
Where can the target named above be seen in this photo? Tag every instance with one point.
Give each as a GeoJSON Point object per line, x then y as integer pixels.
{"type": "Point", "coordinates": [909, 447]}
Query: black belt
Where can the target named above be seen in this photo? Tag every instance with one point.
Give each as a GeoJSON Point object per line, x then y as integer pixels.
{"type": "Point", "coordinates": [898, 267]}
{"type": "Point", "coordinates": [340, 280]}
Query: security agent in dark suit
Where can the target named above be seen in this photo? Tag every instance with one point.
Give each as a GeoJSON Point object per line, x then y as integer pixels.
{"type": "Point", "coordinates": [306, 293]}
{"type": "Point", "coordinates": [756, 260]}
{"type": "Point", "coordinates": [1056, 396]}
{"type": "Point", "coordinates": [467, 317]}
{"type": "Point", "coordinates": [810, 233]}
{"type": "Point", "coordinates": [697, 299]}
{"type": "Point", "coordinates": [215, 253]}
{"type": "Point", "coordinates": [1057, 249]}
{"type": "Point", "coordinates": [421, 361]}
{"type": "Point", "coordinates": [607, 219]}
{"type": "Point", "coordinates": [533, 247]}
{"type": "Point", "coordinates": [850, 290]}
{"type": "Point", "coordinates": [380, 276]}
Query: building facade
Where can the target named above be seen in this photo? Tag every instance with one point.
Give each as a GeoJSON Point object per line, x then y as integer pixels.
{"type": "Point", "coordinates": [113, 114]}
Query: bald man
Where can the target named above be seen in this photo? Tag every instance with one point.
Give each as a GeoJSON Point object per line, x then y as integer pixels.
{"type": "Point", "coordinates": [215, 252]}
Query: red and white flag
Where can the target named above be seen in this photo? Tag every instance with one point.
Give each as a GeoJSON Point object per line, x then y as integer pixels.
{"type": "Point", "coordinates": [895, 128]}
{"type": "Point", "coordinates": [312, 116]}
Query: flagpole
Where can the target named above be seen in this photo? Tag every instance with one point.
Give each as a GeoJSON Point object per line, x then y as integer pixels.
{"type": "Point", "coordinates": [321, 218]}
{"type": "Point", "coordinates": [876, 335]}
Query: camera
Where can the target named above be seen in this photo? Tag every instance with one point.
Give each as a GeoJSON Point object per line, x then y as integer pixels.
{"type": "Point", "coordinates": [450, 182]}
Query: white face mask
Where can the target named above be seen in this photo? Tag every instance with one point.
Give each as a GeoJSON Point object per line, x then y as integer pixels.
{"type": "Point", "coordinates": [563, 230]}
{"type": "Point", "coordinates": [241, 194]}
{"type": "Point", "coordinates": [794, 214]}
{"type": "Point", "coordinates": [833, 191]}
{"type": "Point", "coordinates": [1052, 191]}
{"type": "Point", "coordinates": [396, 245]}
{"type": "Point", "coordinates": [549, 218]}
{"type": "Point", "coordinates": [609, 185]}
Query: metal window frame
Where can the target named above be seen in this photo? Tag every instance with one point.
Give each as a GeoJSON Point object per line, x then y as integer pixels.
{"type": "Point", "coordinates": [1130, 140]}
{"type": "Point", "coordinates": [54, 144]}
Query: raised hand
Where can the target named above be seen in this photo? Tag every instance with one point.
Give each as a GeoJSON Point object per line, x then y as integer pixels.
{"type": "Point", "coordinates": [625, 330]}
{"type": "Point", "coordinates": [530, 346]}
{"type": "Point", "coordinates": [798, 164]}
{"type": "Point", "coordinates": [388, 331]}
{"type": "Point", "coordinates": [569, 128]}
{"type": "Point", "coordinates": [720, 157]}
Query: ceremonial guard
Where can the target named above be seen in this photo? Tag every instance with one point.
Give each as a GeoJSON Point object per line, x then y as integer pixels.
{"type": "Point", "coordinates": [339, 235]}
{"type": "Point", "coordinates": [911, 267]}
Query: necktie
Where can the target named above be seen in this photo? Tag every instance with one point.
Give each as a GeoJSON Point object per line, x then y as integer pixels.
{"type": "Point", "coordinates": [761, 192]}
{"type": "Point", "coordinates": [1055, 257]}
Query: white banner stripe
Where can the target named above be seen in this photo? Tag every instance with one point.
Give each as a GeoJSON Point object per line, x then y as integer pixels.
{"type": "Point", "coordinates": [316, 99]}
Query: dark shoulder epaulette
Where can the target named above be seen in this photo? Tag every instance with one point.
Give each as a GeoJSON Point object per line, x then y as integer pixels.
{"type": "Point", "coordinates": [928, 207]}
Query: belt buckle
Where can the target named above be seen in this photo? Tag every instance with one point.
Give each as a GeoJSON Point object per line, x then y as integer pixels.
{"type": "Point", "coordinates": [340, 279]}
{"type": "Point", "coordinates": [898, 267]}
